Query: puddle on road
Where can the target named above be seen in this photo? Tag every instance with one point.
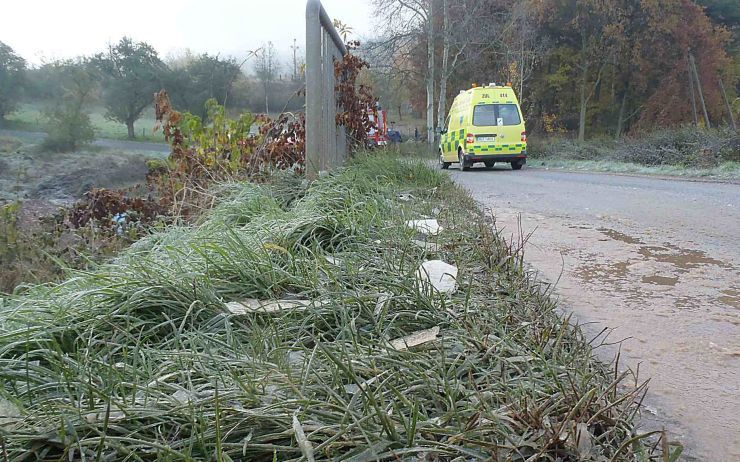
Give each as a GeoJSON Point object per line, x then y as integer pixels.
{"type": "Point", "coordinates": [730, 297]}
{"type": "Point", "coordinates": [600, 272]}
{"type": "Point", "coordinates": [660, 280]}
{"type": "Point", "coordinates": [617, 236]}
{"type": "Point", "coordinates": [683, 259]}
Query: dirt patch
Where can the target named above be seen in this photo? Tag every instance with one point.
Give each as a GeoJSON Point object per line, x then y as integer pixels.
{"type": "Point", "coordinates": [109, 173]}
{"type": "Point", "coordinates": [28, 173]}
{"type": "Point", "coordinates": [9, 144]}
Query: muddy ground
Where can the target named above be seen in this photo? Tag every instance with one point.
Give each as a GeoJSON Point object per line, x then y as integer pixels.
{"type": "Point", "coordinates": [49, 179]}
{"type": "Point", "coordinates": [655, 261]}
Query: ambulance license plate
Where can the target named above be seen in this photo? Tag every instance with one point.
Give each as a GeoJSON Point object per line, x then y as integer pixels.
{"type": "Point", "coordinates": [486, 139]}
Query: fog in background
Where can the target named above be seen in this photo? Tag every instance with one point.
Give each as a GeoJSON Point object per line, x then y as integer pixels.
{"type": "Point", "coordinates": [45, 30]}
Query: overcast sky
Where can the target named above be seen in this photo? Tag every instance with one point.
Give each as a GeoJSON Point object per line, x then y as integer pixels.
{"type": "Point", "coordinates": [42, 30]}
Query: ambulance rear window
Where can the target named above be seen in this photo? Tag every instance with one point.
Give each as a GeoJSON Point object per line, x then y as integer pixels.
{"type": "Point", "coordinates": [484, 115]}
{"type": "Point", "coordinates": [489, 115]}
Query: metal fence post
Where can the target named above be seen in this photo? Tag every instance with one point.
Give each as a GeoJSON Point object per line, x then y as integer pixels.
{"type": "Point", "coordinates": [326, 144]}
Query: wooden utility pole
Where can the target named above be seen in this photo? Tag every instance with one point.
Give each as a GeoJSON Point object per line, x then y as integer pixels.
{"type": "Point", "coordinates": [691, 90]}
{"type": "Point", "coordinates": [727, 103]}
{"type": "Point", "coordinates": [701, 94]}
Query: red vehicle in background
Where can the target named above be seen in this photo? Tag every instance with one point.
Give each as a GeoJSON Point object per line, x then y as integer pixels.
{"type": "Point", "coordinates": [378, 136]}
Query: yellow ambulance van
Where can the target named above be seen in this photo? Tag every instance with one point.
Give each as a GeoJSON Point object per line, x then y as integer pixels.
{"type": "Point", "coordinates": [486, 125]}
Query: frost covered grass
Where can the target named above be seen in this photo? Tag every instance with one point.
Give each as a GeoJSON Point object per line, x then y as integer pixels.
{"type": "Point", "coordinates": [684, 151]}
{"type": "Point", "coordinates": [727, 171]}
{"type": "Point", "coordinates": [140, 359]}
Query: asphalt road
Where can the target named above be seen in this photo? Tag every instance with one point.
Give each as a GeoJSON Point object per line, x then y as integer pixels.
{"type": "Point", "coordinates": [655, 260]}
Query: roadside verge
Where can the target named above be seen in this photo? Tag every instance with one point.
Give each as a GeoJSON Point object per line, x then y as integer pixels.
{"type": "Point", "coordinates": [726, 172]}
{"type": "Point", "coordinates": [292, 322]}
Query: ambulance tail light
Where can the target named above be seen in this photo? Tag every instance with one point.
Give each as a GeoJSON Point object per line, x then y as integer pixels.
{"type": "Point", "coordinates": [470, 138]}
{"type": "Point", "coordinates": [524, 137]}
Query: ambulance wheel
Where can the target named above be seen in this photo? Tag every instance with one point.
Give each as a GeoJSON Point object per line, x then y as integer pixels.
{"type": "Point", "coordinates": [464, 166]}
{"type": "Point", "coordinates": [442, 164]}
{"type": "Point", "coordinates": [490, 164]}
{"type": "Point", "coordinates": [517, 165]}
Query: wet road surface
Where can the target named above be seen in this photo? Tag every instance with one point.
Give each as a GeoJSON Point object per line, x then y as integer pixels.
{"type": "Point", "coordinates": [657, 261]}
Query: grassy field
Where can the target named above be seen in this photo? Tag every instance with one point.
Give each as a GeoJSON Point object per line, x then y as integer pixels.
{"type": "Point", "coordinates": [30, 117]}
{"type": "Point", "coordinates": [684, 151]}
{"type": "Point", "coordinates": [727, 171]}
{"type": "Point", "coordinates": [142, 358]}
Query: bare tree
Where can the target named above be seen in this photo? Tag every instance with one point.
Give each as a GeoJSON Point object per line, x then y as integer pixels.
{"type": "Point", "coordinates": [267, 69]}
{"type": "Point", "coordinates": [464, 23]}
{"type": "Point", "coordinates": [483, 38]}
{"type": "Point", "coordinates": [523, 45]}
{"type": "Point", "coordinates": [405, 22]}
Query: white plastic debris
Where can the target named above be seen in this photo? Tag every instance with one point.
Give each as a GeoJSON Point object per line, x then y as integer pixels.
{"type": "Point", "coordinates": [303, 442]}
{"type": "Point", "coordinates": [164, 378]}
{"type": "Point", "coordinates": [383, 299]}
{"type": "Point", "coordinates": [584, 441]}
{"type": "Point", "coordinates": [9, 412]}
{"type": "Point", "coordinates": [405, 197]}
{"type": "Point", "coordinates": [415, 339]}
{"type": "Point", "coordinates": [428, 246]}
{"type": "Point", "coordinates": [429, 226]}
{"type": "Point", "coordinates": [183, 396]}
{"type": "Point", "coordinates": [353, 388]}
{"type": "Point", "coordinates": [296, 358]}
{"type": "Point", "coordinates": [113, 416]}
{"type": "Point", "coordinates": [333, 260]}
{"type": "Point", "coordinates": [268, 306]}
{"type": "Point", "coordinates": [438, 274]}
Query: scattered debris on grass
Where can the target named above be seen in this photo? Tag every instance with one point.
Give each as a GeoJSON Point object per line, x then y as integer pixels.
{"type": "Point", "coordinates": [415, 339]}
{"type": "Point", "coordinates": [489, 373]}
{"type": "Point", "coordinates": [441, 276]}
{"type": "Point", "coordinates": [428, 226]}
{"type": "Point", "coordinates": [268, 306]}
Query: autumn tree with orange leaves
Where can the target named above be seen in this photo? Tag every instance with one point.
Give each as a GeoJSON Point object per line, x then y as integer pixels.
{"type": "Point", "coordinates": [594, 67]}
